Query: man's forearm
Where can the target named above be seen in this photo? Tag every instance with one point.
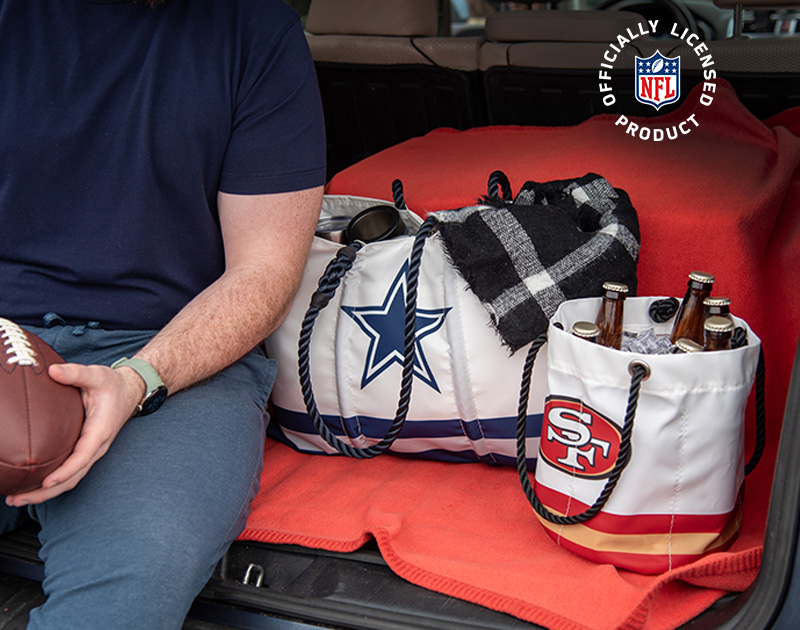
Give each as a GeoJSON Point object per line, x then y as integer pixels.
{"type": "Point", "coordinates": [219, 326]}
{"type": "Point", "coordinates": [267, 239]}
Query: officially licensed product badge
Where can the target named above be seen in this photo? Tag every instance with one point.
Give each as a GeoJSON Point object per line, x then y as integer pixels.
{"type": "Point", "coordinates": [658, 80]}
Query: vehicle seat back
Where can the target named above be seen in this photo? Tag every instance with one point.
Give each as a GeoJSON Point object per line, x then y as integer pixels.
{"type": "Point", "coordinates": [385, 76]}
{"type": "Point", "coordinates": [552, 39]}
{"type": "Point", "coordinates": [541, 67]}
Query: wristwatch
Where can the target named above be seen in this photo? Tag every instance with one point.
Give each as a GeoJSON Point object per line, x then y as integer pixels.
{"type": "Point", "coordinates": [155, 392]}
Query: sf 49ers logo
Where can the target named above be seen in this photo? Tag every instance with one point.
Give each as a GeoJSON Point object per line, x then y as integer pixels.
{"type": "Point", "coordinates": [577, 439]}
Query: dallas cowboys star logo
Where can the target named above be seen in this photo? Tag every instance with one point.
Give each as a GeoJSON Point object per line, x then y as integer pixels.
{"type": "Point", "coordinates": [384, 326]}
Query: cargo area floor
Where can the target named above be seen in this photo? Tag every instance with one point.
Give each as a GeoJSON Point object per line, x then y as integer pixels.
{"type": "Point", "coordinates": [277, 587]}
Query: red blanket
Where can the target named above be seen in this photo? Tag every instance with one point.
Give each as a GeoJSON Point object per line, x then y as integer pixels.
{"type": "Point", "coordinates": [724, 198]}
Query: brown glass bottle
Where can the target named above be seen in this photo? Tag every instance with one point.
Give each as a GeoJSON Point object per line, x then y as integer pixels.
{"type": "Point", "coordinates": [691, 313]}
{"type": "Point", "coordinates": [718, 332]}
{"type": "Point", "coordinates": [586, 330]}
{"type": "Point", "coordinates": [717, 306]}
{"type": "Point", "coordinates": [609, 319]}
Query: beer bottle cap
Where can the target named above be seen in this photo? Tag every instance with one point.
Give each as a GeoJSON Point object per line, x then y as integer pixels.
{"type": "Point", "coordinates": [585, 330]}
{"type": "Point", "coordinates": [687, 345]}
{"type": "Point", "coordinates": [701, 276]}
{"type": "Point", "coordinates": [717, 301]}
{"type": "Point", "coordinates": [718, 324]}
{"type": "Point", "coordinates": [617, 287]}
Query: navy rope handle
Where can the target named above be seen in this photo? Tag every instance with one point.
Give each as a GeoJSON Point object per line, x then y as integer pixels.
{"type": "Point", "coordinates": [638, 373]}
{"type": "Point", "coordinates": [663, 310]}
{"type": "Point", "coordinates": [398, 196]}
{"type": "Point", "coordinates": [498, 183]}
{"type": "Point", "coordinates": [761, 420]}
{"type": "Point", "coordinates": [328, 284]}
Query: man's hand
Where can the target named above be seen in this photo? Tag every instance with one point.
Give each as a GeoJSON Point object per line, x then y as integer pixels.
{"type": "Point", "coordinates": [109, 398]}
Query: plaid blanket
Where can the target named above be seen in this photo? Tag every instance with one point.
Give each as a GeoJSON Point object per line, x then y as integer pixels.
{"type": "Point", "coordinates": [556, 241]}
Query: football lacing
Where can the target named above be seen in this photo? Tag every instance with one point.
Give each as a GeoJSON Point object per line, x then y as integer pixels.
{"type": "Point", "coordinates": [19, 350]}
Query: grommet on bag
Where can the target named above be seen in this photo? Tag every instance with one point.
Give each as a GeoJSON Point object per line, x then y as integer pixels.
{"type": "Point", "coordinates": [640, 363]}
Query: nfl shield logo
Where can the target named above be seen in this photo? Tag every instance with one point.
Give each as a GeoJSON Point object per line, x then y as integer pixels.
{"type": "Point", "coordinates": [658, 80]}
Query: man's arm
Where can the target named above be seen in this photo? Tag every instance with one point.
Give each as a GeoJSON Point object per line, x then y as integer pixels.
{"type": "Point", "coordinates": [267, 239]}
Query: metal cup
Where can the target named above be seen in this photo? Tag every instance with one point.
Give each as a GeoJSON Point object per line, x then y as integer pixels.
{"type": "Point", "coordinates": [332, 228]}
{"type": "Point", "coordinates": [376, 223]}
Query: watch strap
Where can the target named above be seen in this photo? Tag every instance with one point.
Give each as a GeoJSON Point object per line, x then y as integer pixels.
{"type": "Point", "coordinates": [151, 378]}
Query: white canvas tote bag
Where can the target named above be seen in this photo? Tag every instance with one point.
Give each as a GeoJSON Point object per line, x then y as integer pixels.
{"type": "Point", "coordinates": [641, 460]}
{"type": "Point", "coordinates": [463, 385]}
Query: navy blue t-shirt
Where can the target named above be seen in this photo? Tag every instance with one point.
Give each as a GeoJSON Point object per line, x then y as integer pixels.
{"type": "Point", "coordinates": [119, 123]}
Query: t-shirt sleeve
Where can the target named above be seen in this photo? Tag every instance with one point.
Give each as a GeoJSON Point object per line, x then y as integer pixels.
{"type": "Point", "coordinates": [277, 141]}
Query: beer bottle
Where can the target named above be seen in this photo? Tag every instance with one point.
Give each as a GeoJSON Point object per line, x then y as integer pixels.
{"type": "Point", "coordinates": [720, 306]}
{"type": "Point", "coordinates": [685, 346]}
{"type": "Point", "coordinates": [718, 331]}
{"type": "Point", "coordinates": [609, 319]}
{"type": "Point", "coordinates": [691, 313]}
{"type": "Point", "coordinates": [586, 330]}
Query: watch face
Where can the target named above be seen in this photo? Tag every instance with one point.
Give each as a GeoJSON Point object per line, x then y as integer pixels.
{"type": "Point", "coordinates": [153, 401]}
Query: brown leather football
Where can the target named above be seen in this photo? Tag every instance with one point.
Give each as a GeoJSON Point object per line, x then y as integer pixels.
{"type": "Point", "coordinates": [40, 420]}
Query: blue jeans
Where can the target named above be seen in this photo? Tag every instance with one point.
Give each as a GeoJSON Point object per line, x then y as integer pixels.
{"type": "Point", "coordinates": [136, 540]}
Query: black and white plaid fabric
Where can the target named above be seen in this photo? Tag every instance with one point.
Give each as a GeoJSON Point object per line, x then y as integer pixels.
{"type": "Point", "coordinates": [556, 241]}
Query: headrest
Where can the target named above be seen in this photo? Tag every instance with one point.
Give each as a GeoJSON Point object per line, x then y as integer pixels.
{"type": "Point", "coordinates": [757, 4]}
{"type": "Point", "coordinates": [560, 26]}
{"type": "Point", "coordinates": [405, 18]}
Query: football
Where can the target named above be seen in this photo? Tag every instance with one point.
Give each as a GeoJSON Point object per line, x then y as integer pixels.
{"type": "Point", "coordinates": [657, 65]}
{"type": "Point", "coordinates": [40, 419]}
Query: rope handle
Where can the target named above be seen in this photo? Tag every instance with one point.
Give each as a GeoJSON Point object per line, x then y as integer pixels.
{"type": "Point", "coordinates": [761, 416]}
{"type": "Point", "coordinates": [498, 183]}
{"type": "Point", "coordinates": [639, 372]}
{"type": "Point", "coordinates": [398, 196]}
{"type": "Point", "coordinates": [328, 283]}
{"type": "Point", "coordinates": [498, 187]}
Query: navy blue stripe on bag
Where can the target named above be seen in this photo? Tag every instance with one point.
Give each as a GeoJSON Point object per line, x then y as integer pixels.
{"type": "Point", "coordinates": [497, 435]}
{"type": "Point", "coordinates": [494, 428]}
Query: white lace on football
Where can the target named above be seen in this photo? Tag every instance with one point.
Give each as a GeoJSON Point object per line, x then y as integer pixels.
{"type": "Point", "coordinates": [18, 348]}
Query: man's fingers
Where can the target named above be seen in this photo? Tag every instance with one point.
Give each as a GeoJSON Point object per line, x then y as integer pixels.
{"type": "Point", "coordinates": [108, 397]}
{"type": "Point", "coordinates": [83, 376]}
{"type": "Point", "coordinates": [87, 450]}
{"type": "Point", "coordinates": [62, 373]}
